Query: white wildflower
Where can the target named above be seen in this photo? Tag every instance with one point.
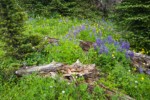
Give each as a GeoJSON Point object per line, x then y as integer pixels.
{"type": "Point", "coordinates": [33, 48]}
{"type": "Point", "coordinates": [136, 82]}
{"type": "Point", "coordinates": [129, 70]}
{"type": "Point", "coordinates": [63, 92]}
{"type": "Point", "coordinates": [68, 83]}
{"type": "Point", "coordinates": [51, 86]}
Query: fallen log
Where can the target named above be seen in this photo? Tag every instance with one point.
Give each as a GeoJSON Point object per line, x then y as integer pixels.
{"type": "Point", "coordinates": [45, 68]}
{"type": "Point", "coordinates": [70, 72]}
{"type": "Point", "coordinates": [76, 68]}
{"type": "Point", "coordinates": [141, 62]}
{"type": "Point", "coordinates": [50, 40]}
{"type": "Point", "coordinates": [86, 45]}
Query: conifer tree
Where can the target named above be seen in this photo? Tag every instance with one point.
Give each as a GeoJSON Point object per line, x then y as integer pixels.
{"type": "Point", "coordinates": [134, 15]}
{"type": "Point", "coordinates": [12, 19]}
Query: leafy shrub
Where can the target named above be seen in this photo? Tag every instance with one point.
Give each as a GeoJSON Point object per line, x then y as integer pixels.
{"type": "Point", "coordinates": [128, 82]}
{"type": "Point", "coordinates": [36, 87]}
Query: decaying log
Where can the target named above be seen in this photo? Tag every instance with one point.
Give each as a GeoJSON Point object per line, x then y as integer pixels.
{"type": "Point", "coordinates": [45, 68]}
{"type": "Point", "coordinates": [86, 45]}
{"type": "Point", "coordinates": [141, 62]}
{"type": "Point", "coordinates": [54, 68]}
{"type": "Point", "coordinates": [52, 40]}
{"type": "Point", "coordinates": [70, 72]}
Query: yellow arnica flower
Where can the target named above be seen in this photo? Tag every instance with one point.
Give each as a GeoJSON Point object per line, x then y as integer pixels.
{"type": "Point", "coordinates": [143, 51]}
{"type": "Point", "coordinates": [142, 78]}
{"type": "Point", "coordinates": [134, 69]}
{"type": "Point", "coordinates": [76, 46]}
{"type": "Point", "coordinates": [113, 55]}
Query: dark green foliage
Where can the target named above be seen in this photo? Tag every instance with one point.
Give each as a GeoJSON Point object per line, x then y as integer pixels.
{"type": "Point", "coordinates": [79, 8]}
{"type": "Point", "coordinates": [134, 15]}
{"type": "Point", "coordinates": [12, 19]}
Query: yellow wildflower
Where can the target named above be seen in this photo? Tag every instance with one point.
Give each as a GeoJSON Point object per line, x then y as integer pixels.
{"type": "Point", "coordinates": [113, 55]}
{"type": "Point", "coordinates": [134, 50]}
{"type": "Point", "coordinates": [142, 78]}
{"type": "Point", "coordinates": [143, 51]}
{"type": "Point", "coordinates": [134, 69]}
{"type": "Point", "coordinates": [76, 46]}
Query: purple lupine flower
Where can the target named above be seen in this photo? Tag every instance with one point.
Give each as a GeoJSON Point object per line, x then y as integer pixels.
{"type": "Point", "coordinates": [110, 39]}
{"type": "Point", "coordinates": [103, 49]}
{"type": "Point", "coordinates": [116, 43]}
{"type": "Point", "coordinates": [75, 33]}
{"type": "Point", "coordinates": [148, 72]}
{"type": "Point", "coordinates": [95, 46]}
{"type": "Point", "coordinates": [94, 30]}
{"type": "Point", "coordinates": [106, 50]}
{"type": "Point", "coordinates": [125, 45]}
{"type": "Point", "coordinates": [127, 54]}
{"type": "Point", "coordinates": [140, 69]}
{"type": "Point", "coordinates": [78, 30]}
{"type": "Point", "coordinates": [119, 49]}
{"type": "Point", "coordinates": [99, 42]}
{"type": "Point", "coordinates": [131, 54]}
{"type": "Point", "coordinates": [83, 27]}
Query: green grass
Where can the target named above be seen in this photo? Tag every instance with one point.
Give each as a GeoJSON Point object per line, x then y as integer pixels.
{"type": "Point", "coordinates": [119, 74]}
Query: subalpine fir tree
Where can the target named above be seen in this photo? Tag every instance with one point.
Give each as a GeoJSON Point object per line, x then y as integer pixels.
{"type": "Point", "coordinates": [75, 8]}
{"type": "Point", "coordinates": [12, 19]}
{"type": "Point", "coordinates": [135, 16]}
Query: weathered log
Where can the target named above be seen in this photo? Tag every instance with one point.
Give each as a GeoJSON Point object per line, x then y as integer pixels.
{"type": "Point", "coordinates": [141, 62]}
{"type": "Point", "coordinates": [45, 68]}
{"type": "Point", "coordinates": [76, 68]}
{"type": "Point", "coordinates": [51, 40]}
{"type": "Point", "coordinates": [86, 45]}
{"type": "Point", "coordinates": [71, 72]}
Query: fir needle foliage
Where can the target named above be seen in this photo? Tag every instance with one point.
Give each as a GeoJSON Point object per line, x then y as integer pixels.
{"type": "Point", "coordinates": [12, 19]}
{"type": "Point", "coordinates": [134, 15]}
